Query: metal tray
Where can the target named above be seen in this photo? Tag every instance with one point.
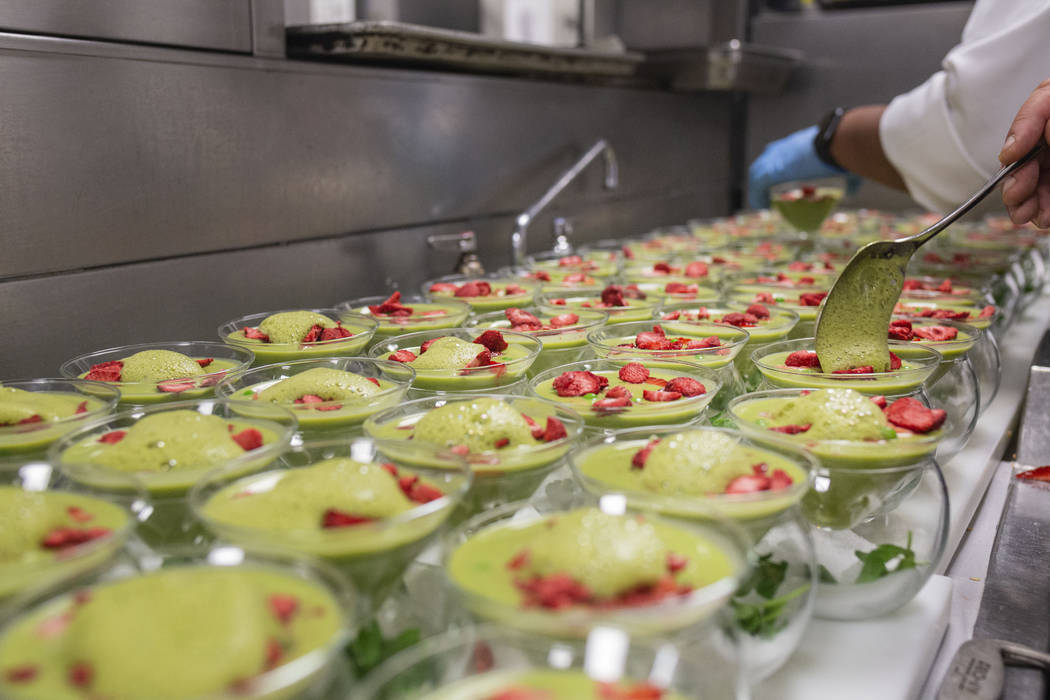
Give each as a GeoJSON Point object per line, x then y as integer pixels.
{"type": "Point", "coordinates": [426, 47]}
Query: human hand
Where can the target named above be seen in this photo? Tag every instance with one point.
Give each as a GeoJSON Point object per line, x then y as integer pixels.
{"type": "Point", "coordinates": [1026, 193]}
{"type": "Point", "coordinates": [784, 160]}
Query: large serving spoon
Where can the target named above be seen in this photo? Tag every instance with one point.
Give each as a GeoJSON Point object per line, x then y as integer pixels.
{"type": "Point", "coordinates": [852, 325]}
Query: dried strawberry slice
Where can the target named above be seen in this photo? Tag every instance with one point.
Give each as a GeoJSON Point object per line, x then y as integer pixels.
{"type": "Point", "coordinates": [803, 358]}
{"type": "Point", "coordinates": [518, 560]}
{"type": "Point", "coordinates": [910, 414]}
{"type": "Point", "coordinates": [314, 334]}
{"type": "Point", "coordinates": [1037, 474]}
{"type": "Point", "coordinates": [632, 291]}
{"type": "Point", "coordinates": [681, 288]}
{"type": "Point", "coordinates": [493, 340]}
{"type": "Point", "coordinates": [423, 493]}
{"type": "Point", "coordinates": [334, 517]}
{"type": "Point", "coordinates": [676, 562]}
{"type": "Point", "coordinates": [569, 261]}
{"type": "Point", "coordinates": [659, 395]}
{"type": "Point", "coordinates": [474, 289]}
{"type": "Point", "coordinates": [686, 386]}
{"type": "Point", "coordinates": [274, 654]}
{"type": "Point", "coordinates": [633, 373]}
{"type": "Point", "coordinates": [537, 431]}
{"type": "Point", "coordinates": [696, 269]}
{"type": "Point", "coordinates": [402, 356]}
{"type": "Point", "coordinates": [176, 386]}
{"type": "Point", "coordinates": [563, 320]}
{"type": "Point", "coordinates": [613, 296]}
{"type": "Point", "coordinates": [656, 381]}
{"type": "Point", "coordinates": [556, 591]}
{"type": "Point", "coordinates": [758, 311]}
{"type": "Point", "coordinates": [642, 455]}
{"type": "Point", "coordinates": [21, 674]}
{"type": "Point", "coordinates": [937, 334]}
{"type": "Point", "coordinates": [866, 369]}
{"type": "Point", "coordinates": [501, 443]}
{"type": "Point", "coordinates": [895, 362]}
{"type": "Point", "coordinates": [901, 323]}
{"type": "Point", "coordinates": [335, 333]}
{"type": "Point", "coordinates": [749, 483]}
{"type": "Point", "coordinates": [79, 514]}
{"type": "Point", "coordinates": [389, 468]}
{"type": "Point", "coordinates": [521, 317]}
{"type": "Point", "coordinates": [791, 429]}
{"type": "Point", "coordinates": [627, 252]}
{"type": "Point", "coordinates": [900, 333]}
{"type": "Point", "coordinates": [309, 398]}
{"type": "Point", "coordinates": [35, 418]}
{"type": "Point", "coordinates": [780, 480]}
{"type": "Point", "coordinates": [577, 278]}
{"type": "Point", "coordinates": [541, 275]}
{"type": "Point", "coordinates": [205, 361]}
{"type": "Point", "coordinates": [652, 340]}
{"type": "Point", "coordinates": [947, 314]}
{"type": "Point", "coordinates": [64, 537]}
{"type": "Point", "coordinates": [80, 675]}
{"type": "Point", "coordinates": [441, 287]}
{"type": "Point", "coordinates": [106, 371]}
{"type": "Point", "coordinates": [911, 285]}
{"type": "Point", "coordinates": [557, 302]}
{"type": "Point", "coordinates": [482, 359]}
{"type": "Point", "coordinates": [710, 341]}
{"type": "Point", "coordinates": [879, 401]}
{"type": "Point", "coordinates": [256, 334]}
{"type": "Point", "coordinates": [806, 280]}
{"type": "Point", "coordinates": [248, 439]}
{"type": "Point", "coordinates": [740, 320]}
{"type": "Point", "coordinates": [800, 266]}
{"type": "Point", "coordinates": [555, 430]}
{"type": "Point", "coordinates": [391, 306]}
{"type": "Point", "coordinates": [513, 289]}
{"type": "Point", "coordinates": [373, 380]}
{"type": "Point", "coordinates": [611, 404]}
{"type": "Point", "coordinates": [113, 437]}
{"type": "Point", "coordinates": [672, 316]}
{"type": "Point", "coordinates": [283, 607]}
{"type": "Point", "coordinates": [619, 392]}
{"type": "Point", "coordinates": [81, 408]}
{"type": "Point", "coordinates": [662, 268]}
{"type": "Point", "coordinates": [987, 312]}
{"type": "Point", "coordinates": [811, 298]}
{"type": "Point", "coordinates": [945, 286]}
{"type": "Point", "coordinates": [579, 383]}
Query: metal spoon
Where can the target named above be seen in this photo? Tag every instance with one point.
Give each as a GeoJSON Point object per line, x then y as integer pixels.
{"type": "Point", "coordinates": [860, 303]}
{"type": "Point", "coordinates": [977, 671]}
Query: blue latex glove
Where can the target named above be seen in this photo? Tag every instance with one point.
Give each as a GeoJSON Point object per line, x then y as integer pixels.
{"type": "Point", "coordinates": [790, 158]}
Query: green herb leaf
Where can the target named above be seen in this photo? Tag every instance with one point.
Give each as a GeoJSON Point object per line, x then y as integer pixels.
{"type": "Point", "coordinates": [763, 619]}
{"type": "Point", "coordinates": [766, 577]}
{"type": "Point", "coordinates": [888, 433]}
{"type": "Point", "coordinates": [877, 562]}
{"type": "Point", "coordinates": [824, 576]}
{"type": "Point", "coordinates": [370, 648]}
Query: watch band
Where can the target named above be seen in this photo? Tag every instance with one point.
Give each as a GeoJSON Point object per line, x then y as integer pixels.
{"type": "Point", "coordinates": [825, 133]}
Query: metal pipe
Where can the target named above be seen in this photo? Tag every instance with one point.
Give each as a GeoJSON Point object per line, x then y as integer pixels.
{"type": "Point", "coordinates": [519, 237]}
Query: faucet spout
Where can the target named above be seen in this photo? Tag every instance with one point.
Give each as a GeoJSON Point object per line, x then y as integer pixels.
{"type": "Point", "coordinates": [519, 237]}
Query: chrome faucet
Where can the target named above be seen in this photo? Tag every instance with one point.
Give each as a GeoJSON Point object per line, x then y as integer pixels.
{"type": "Point", "coordinates": [518, 238]}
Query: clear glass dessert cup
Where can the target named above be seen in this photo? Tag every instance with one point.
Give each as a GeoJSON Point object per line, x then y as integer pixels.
{"type": "Point", "coordinates": [320, 672]}
{"type": "Point", "coordinates": [636, 309]}
{"type": "Point", "coordinates": [478, 661]}
{"type": "Point", "coordinates": [389, 326]}
{"type": "Point", "coordinates": [688, 615]}
{"type": "Point", "coordinates": [560, 345]}
{"type": "Point", "coordinates": [509, 368]}
{"type": "Point", "coordinates": [773, 606]}
{"type": "Point", "coordinates": [876, 563]}
{"type": "Point", "coordinates": [170, 521]}
{"type": "Point", "coordinates": [27, 441]}
{"type": "Point", "coordinates": [88, 508]}
{"type": "Point", "coordinates": [340, 416]}
{"type": "Point", "coordinates": [501, 475]}
{"type": "Point", "coordinates": [373, 555]}
{"type": "Point", "coordinates": [225, 359]}
{"type": "Point", "coordinates": [805, 212]}
{"type": "Point", "coordinates": [362, 329]}
{"type": "Point", "coordinates": [686, 410]}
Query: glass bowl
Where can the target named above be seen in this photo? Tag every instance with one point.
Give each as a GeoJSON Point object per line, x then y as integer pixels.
{"type": "Point", "coordinates": [500, 292]}
{"type": "Point", "coordinates": [919, 365]}
{"type": "Point", "coordinates": [23, 441]}
{"type": "Point", "coordinates": [483, 661]}
{"type": "Point", "coordinates": [224, 359]}
{"type": "Point", "coordinates": [170, 522]}
{"type": "Point", "coordinates": [362, 328]}
{"type": "Point", "coordinates": [341, 415]}
{"type": "Point", "coordinates": [804, 205]}
{"type": "Point", "coordinates": [636, 308]}
{"type": "Point", "coordinates": [425, 315]}
{"type": "Point", "coordinates": [300, 652]}
{"type": "Point", "coordinates": [512, 364]}
{"type": "Point", "coordinates": [679, 291]}
{"type": "Point", "coordinates": [500, 475]}
{"type": "Point", "coordinates": [374, 553]}
{"type": "Point", "coordinates": [561, 345]}
{"type": "Point", "coordinates": [687, 409]}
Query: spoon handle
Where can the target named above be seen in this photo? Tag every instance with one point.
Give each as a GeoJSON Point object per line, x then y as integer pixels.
{"type": "Point", "coordinates": [920, 238]}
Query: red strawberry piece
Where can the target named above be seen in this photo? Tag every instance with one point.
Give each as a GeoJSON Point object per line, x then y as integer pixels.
{"type": "Point", "coordinates": [710, 341]}
{"type": "Point", "coordinates": [442, 287]}
{"type": "Point", "coordinates": [521, 317]}
{"type": "Point", "coordinates": [809, 191]}
{"type": "Point", "coordinates": [652, 340]}
{"type": "Point", "coordinates": [333, 518]}
{"type": "Point", "coordinates": [800, 266]}
{"type": "Point", "coordinates": [1037, 474]}
{"type": "Point", "coordinates": [63, 537]}
{"type": "Point", "coordinates": [910, 414]}
{"type": "Point", "coordinates": [771, 280]}
{"type": "Point", "coordinates": [627, 252]}
{"type": "Point", "coordinates": [748, 483]}
{"type": "Point", "coordinates": [945, 286]}
{"type": "Point", "coordinates": [765, 298]}
{"type": "Point", "coordinates": [900, 333]}
{"type": "Point", "coordinates": [461, 450]}
{"type": "Point", "coordinates": [512, 289]}
{"type": "Point", "coordinates": [579, 383]}
{"type": "Point", "coordinates": [502, 442]}
{"type": "Point", "coordinates": [390, 469]}
{"type": "Point", "coordinates": [35, 418]}
{"type": "Point", "coordinates": [740, 320]}
{"type": "Point", "coordinates": [686, 386]}
{"type": "Point", "coordinates": [879, 401]}
{"type": "Point", "coordinates": [204, 362]}
{"type": "Point", "coordinates": [274, 652]}
{"type": "Point", "coordinates": [761, 468]}
{"type": "Point", "coordinates": [373, 380]}
{"type": "Point", "coordinates": [434, 312]}
{"type": "Point", "coordinates": [779, 480]}
{"type": "Point", "coordinates": [633, 373]}
{"type": "Point", "coordinates": [556, 592]}
{"type": "Point", "coordinates": [518, 560]}
{"type": "Point", "coordinates": [392, 306]}
{"type": "Point", "coordinates": [911, 285]}
{"type": "Point", "coordinates": [658, 395]}
{"type": "Point", "coordinates": [895, 362]}
{"type": "Point", "coordinates": [900, 323]}
{"type": "Point", "coordinates": [619, 392]}
{"type": "Point", "coordinates": [792, 429]}
{"type": "Point", "coordinates": [945, 314]}
{"type": "Point", "coordinates": [933, 258]}
{"type": "Point", "coordinates": [611, 404]}
{"type": "Point", "coordinates": [335, 333]}
{"type": "Point", "coordinates": [696, 269]}
{"type": "Point", "coordinates": [936, 333]}
{"type": "Point", "coordinates": [314, 334]}
{"type": "Point", "coordinates": [558, 302]}
{"type": "Point", "coordinates": [402, 356]}
{"type": "Point", "coordinates": [105, 371]}
{"type": "Point", "coordinates": [783, 277]}
{"type": "Point", "coordinates": [474, 289]}
{"type": "Point", "coordinates": [309, 398]}
{"type": "Point", "coordinates": [676, 562]}
{"type": "Point", "coordinates": [563, 320]}
{"type": "Point", "coordinates": [79, 514]}
{"type": "Point", "coordinates": [569, 261]}
{"type": "Point", "coordinates": [987, 312]}
{"type": "Point", "coordinates": [21, 674]}
{"type": "Point", "coordinates": [803, 358]}
{"type": "Point", "coordinates": [681, 288]}
{"type": "Point", "coordinates": [405, 483]}
{"type": "Point", "coordinates": [248, 439]}
{"type": "Point", "coordinates": [493, 340]}
{"type": "Point", "coordinates": [672, 316]}
{"type": "Point", "coordinates": [113, 437]}
{"type": "Point", "coordinates": [541, 275]}
{"type": "Point", "coordinates": [613, 296]}
{"type": "Point", "coordinates": [811, 298]}
{"type": "Point", "coordinates": [256, 334]}
{"type": "Point", "coordinates": [177, 386]}
{"type": "Point", "coordinates": [632, 291]}
{"type": "Point", "coordinates": [866, 369]}
{"type": "Point", "coordinates": [284, 607]}
{"type": "Point", "coordinates": [424, 493]}
{"type": "Point", "coordinates": [758, 311]}
{"type": "Point", "coordinates": [807, 280]}
{"type": "Point", "coordinates": [656, 381]}
{"type": "Point", "coordinates": [662, 268]}
{"type": "Point", "coordinates": [80, 675]}
{"type": "Point", "coordinates": [537, 431]}
{"type": "Point", "coordinates": [555, 430]}
{"type": "Point", "coordinates": [81, 407]}
{"type": "Point", "coordinates": [482, 359]}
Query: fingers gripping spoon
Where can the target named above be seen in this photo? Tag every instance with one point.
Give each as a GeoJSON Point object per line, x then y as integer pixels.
{"type": "Point", "coordinates": [851, 327]}
{"type": "Point", "coordinates": [976, 672]}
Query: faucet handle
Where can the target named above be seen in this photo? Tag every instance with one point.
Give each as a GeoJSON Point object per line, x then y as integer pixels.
{"type": "Point", "coordinates": [463, 242]}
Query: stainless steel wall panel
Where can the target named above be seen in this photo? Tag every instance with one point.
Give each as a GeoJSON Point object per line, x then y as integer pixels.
{"type": "Point", "coordinates": [151, 153]}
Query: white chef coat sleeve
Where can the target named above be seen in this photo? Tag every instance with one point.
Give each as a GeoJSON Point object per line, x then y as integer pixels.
{"type": "Point", "coordinates": [944, 136]}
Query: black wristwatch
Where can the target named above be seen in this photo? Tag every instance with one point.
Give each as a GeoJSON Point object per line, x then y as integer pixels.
{"type": "Point", "coordinates": [825, 133]}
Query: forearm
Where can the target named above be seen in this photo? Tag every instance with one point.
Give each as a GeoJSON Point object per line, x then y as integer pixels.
{"type": "Point", "coordinates": [857, 148]}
